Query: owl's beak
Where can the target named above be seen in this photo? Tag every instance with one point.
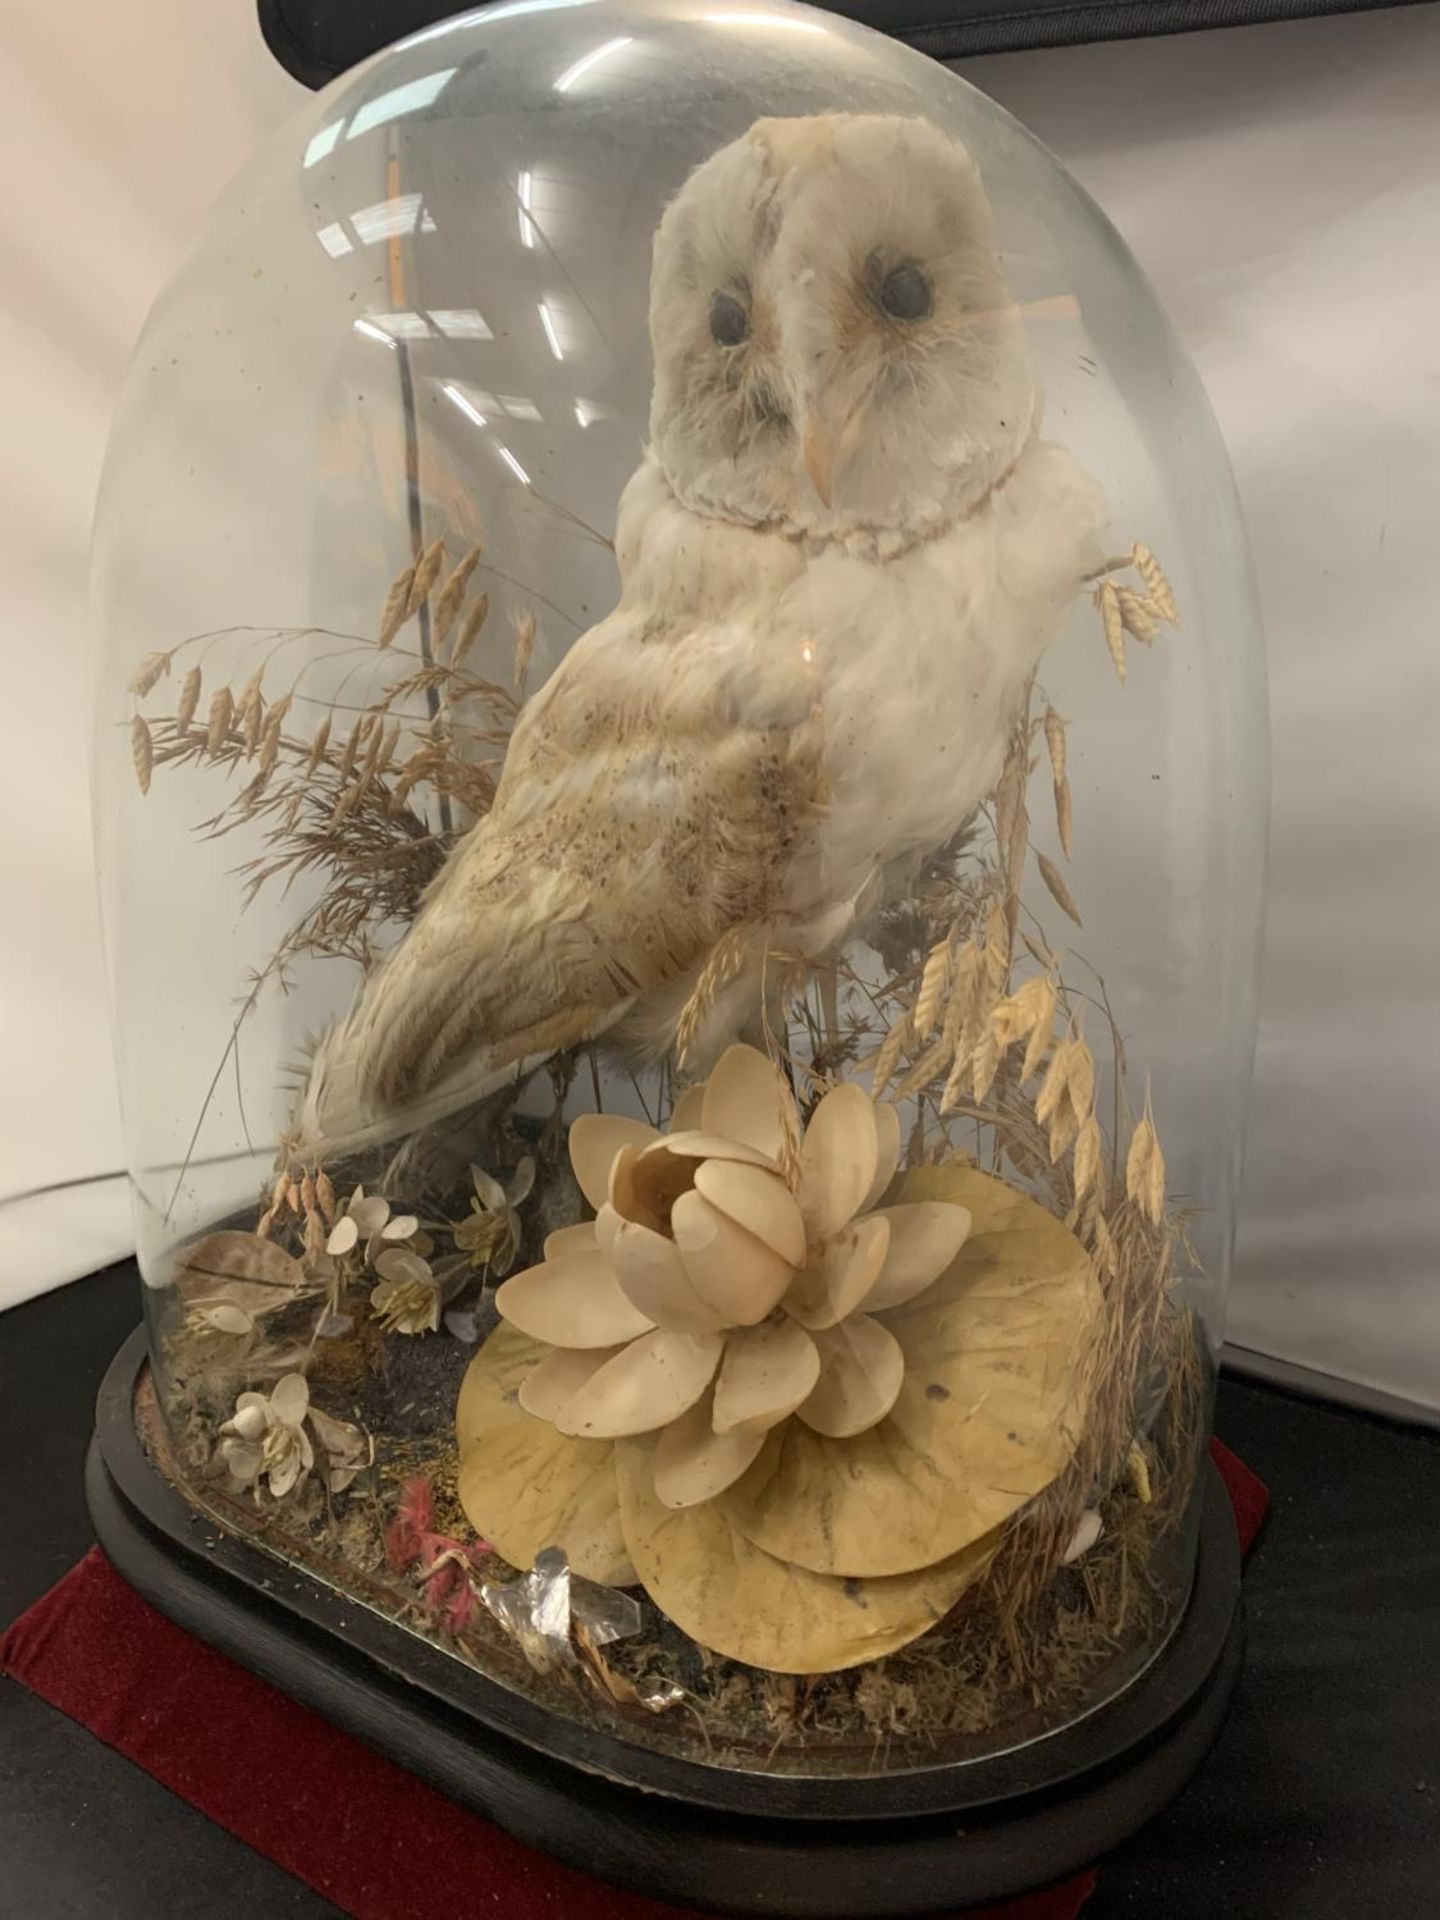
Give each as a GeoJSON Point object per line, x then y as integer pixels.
{"type": "Point", "coordinates": [817, 450]}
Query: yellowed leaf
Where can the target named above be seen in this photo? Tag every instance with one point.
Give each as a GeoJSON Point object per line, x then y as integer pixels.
{"type": "Point", "coordinates": [523, 1485]}
{"type": "Point", "coordinates": [988, 1413]}
{"type": "Point", "coordinates": [239, 1267]}
{"type": "Point", "coordinates": [738, 1600]}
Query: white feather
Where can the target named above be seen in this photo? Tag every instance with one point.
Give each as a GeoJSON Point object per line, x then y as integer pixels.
{"type": "Point", "coordinates": [797, 696]}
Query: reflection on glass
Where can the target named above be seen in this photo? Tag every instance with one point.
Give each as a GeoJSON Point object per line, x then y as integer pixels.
{"type": "Point", "coordinates": [462, 400]}
{"type": "Point", "coordinates": [547, 321]}
{"type": "Point", "coordinates": [524, 188]}
{"type": "Point", "coordinates": [590, 60]}
{"type": "Point", "coordinates": [372, 332]}
{"type": "Point", "coordinates": [335, 240]}
{"type": "Point", "coordinates": [461, 323]}
{"type": "Point", "coordinates": [780, 21]}
{"type": "Point", "coordinates": [322, 142]}
{"type": "Point", "coordinates": [401, 100]}
{"type": "Point", "coordinates": [387, 218]}
{"type": "Point", "coordinates": [514, 465]}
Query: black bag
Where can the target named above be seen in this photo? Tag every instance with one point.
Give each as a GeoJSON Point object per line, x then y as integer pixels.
{"type": "Point", "coordinates": [316, 39]}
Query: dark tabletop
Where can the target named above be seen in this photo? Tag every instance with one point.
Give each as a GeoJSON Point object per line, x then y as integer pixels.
{"type": "Point", "coordinates": [1320, 1802]}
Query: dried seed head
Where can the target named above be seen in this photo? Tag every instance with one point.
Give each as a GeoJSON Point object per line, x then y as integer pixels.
{"type": "Point", "coordinates": [470, 629]}
{"type": "Point", "coordinates": [1055, 741]}
{"type": "Point", "coordinates": [1089, 1159]}
{"type": "Point", "coordinates": [1038, 951]}
{"type": "Point", "coordinates": [1044, 1021]}
{"type": "Point", "coordinates": [427, 572]}
{"type": "Point", "coordinates": [933, 981]}
{"type": "Point", "coordinates": [325, 1195]}
{"type": "Point", "coordinates": [152, 668]}
{"type": "Point", "coordinates": [188, 702]}
{"type": "Point", "coordinates": [1107, 599]}
{"type": "Point", "coordinates": [252, 714]}
{"type": "Point", "coordinates": [1137, 615]}
{"type": "Point", "coordinates": [961, 1028]}
{"type": "Point", "coordinates": [997, 949]}
{"type": "Point", "coordinates": [931, 1064]}
{"type": "Point", "coordinates": [1106, 1250]}
{"type": "Point", "coordinates": [1052, 1094]}
{"type": "Point", "coordinates": [524, 646]}
{"type": "Point", "coordinates": [957, 1086]}
{"type": "Point", "coordinates": [318, 746]}
{"type": "Point", "coordinates": [1059, 892]}
{"type": "Point", "coordinates": [397, 608]}
{"type": "Point", "coordinates": [1080, 1079]}
{"type": "Point", "coordinates": [142, 753]}
{"type": "Point", "coordinates": [1064, 1126]}
{"type": "Point", "coordinates": [222, 716]}
{"type": "Point", "coordinates": [1064, 820]}
{"type": "Point", "coordinates": [984, 1065]}
{"type": "Point", "coordinates": [270, 741]}
{"type": "Point", "coordinates": [352, 748]}
{"type": "Point", "coordinates": [888, 1058]}
{"type": "Point", "coordinates": [388, 743]}
{"type": "Point", "coordinates": [1157, 586]}
{"type": "Point", "coordinates": [451, 596]}
{"type": "Point", "coordinates": [1145, 1170]}
{"type": "Point", "coordinates": [1010, 792]}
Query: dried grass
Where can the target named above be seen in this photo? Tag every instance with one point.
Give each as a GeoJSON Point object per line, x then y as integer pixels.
{"type": "Point", "coordinates": [996, 1068]}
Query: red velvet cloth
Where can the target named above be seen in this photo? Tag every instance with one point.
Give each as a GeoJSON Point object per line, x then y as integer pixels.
{"type": "Point", "coordinates": [312, 1798]}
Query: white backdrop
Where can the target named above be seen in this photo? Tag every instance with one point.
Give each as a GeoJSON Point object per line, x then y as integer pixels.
{"type": "Point", "coordinates": [1282, 187]}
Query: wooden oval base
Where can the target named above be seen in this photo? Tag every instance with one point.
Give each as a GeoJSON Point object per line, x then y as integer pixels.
{"type": "Point", "coordinates": [900, 1844]}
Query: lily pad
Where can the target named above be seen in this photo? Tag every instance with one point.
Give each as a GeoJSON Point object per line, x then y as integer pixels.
{"type": "Point", "coordinates": [742, 1602]}
{"type": "Point", "coordinates": [991, 1407]}
{"type": "Point", "coordinates": [523, 1485]}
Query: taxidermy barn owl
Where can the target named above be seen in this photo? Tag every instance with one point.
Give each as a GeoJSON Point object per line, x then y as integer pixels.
{"type": "Point", "coordinates": [841, 559]}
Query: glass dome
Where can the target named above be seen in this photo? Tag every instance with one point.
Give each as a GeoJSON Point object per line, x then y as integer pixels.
{"type": "Point", "coordinates": [680, 785]}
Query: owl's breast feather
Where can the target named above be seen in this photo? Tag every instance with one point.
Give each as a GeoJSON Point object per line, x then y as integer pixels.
{"type": "Point", "coordinates": [924, 661]}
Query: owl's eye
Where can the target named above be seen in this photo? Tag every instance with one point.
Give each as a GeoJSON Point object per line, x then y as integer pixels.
{"type": "Point", "coordinates": [906, 294]}
{"type": "Point", "coordinates": [729, 321]}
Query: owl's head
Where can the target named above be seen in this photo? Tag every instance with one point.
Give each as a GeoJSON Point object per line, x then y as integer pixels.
{"type": "Point", "coordinates": [835, 346]}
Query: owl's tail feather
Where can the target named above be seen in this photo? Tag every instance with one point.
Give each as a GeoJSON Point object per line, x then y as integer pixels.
{"type": "Point", "coordinates": [340, 1112]}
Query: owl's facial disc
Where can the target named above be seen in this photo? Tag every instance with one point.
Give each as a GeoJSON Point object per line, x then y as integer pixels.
{"type": "Point", "coordinates": [835, 346]}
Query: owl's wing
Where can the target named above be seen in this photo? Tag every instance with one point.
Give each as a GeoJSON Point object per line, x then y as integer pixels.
{"type": "Point", "coordinates": [651, 800]}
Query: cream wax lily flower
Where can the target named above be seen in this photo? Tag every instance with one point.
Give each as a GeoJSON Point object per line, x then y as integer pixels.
{"type": "Point", "coordinates": [737, 1273]}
